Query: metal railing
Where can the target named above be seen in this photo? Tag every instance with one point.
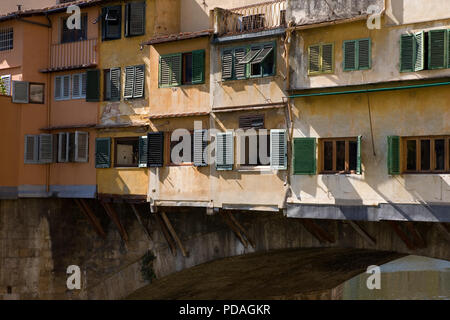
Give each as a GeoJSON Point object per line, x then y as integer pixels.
{"type": "Point", "coordinates": [72, 54]}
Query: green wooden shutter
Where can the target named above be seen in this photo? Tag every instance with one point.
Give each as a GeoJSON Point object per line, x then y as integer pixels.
{"type": "Point", "coordinates": [93, 86]}
{"type": "Point", "coordinates": [198, 66]}
{"type": "Point", "coordinates": [103, 153]}
{"type": "Point", "coordinates": [304, 152]}
{"type": "Point", "coordinates": [358, 157]}
{"type": "Point", "coordinates": [394, 155]}
{"type": "Point", "coordinates": [349, 55]}
{"type": "Point", "coordinates": [155, 153]}
{"type": "Point", "coordinates": [143, 149]}
{"type": "Point", "coordinates": [419, 58]}
{"type": "Point", "coordinates": [135, 19]}
{"type": "Point", "coordinates": [327, 58]}
{"type": "Point", "coordinates": [227, 64]}
{"type": "Point", "coordinates": [139, 82]}
{"type": "Point", "coordinates": [200, 144]}
{"type": "Point", "coordinates": [278, 149]}
{"type": "Point", "coordinates": [314, 59]}
{"type": "Point", "coordinates": [224, 151]}
{"type": "Point", "coordinates": [407, 53]}
{"type": "Point", "coordinates": [437, 55]}
{"type": "Point", "coordinates": [364, 54]}
{"type": "Point", "coordinates": [112, 24]}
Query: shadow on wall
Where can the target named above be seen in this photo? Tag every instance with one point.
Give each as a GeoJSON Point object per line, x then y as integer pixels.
{"type": "Point", "coordinates": [193, 9]}
{"type": "Point", "coordinates": [397, 12]}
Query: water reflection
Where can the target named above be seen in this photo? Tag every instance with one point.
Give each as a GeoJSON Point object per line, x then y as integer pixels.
{"type": "Point", "coordinates": [411, 277]}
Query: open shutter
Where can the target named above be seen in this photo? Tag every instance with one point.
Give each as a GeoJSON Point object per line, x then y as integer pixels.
{"type": "Point", "coordinates": [364, 54]}
{"type": "Point", "coordinates": [76, 86]}
{"type": "Point", "coordinates": [93, 85]}
{"type": "Point", "coordinates": [58, 88]}
{"type": "Point", "coordinates": [327, 58]}
{"type": "Point", "coordinates": [448, 49]}
{"type": "Point", "coordinates": [227, 64]}
{"type": "Point", "coordinates": [139, 82]}
{"type": "Point", "coordinates": [164, 71]}
{"type": "Point", "coordinates": [240, 70]}
{"type": "Point", "coordinates": [63, 147]}
{"type": "Point", "coordinates": [175, 70]}
{"type": "Point", "coordinates": [419, 59]}
{"type": "Point", "coordinates": [224, 151]}
{"type": "Point", "coordinates": [314, 59]}
{"type": "Point", "coordinates": [349, 55]}
{"type": "Point", "coordinates": [198, 66]}
{"type": "Point", "coordinates": [129, 81]}
{"type": "Point", "coordinates": [83, 85]}
{"type": "Point", "coordinates": [31, 154]}
{"type": "Point", "coordinates": [155, 152]}
{"type": "Point", "coordinates": [407, 53]}
{"type": "Point", "coordinates": [200, 144]}
{"type": "Point", "coordinates": [46, 150]}
{"type": "Point", "coordinates": [71, 146]}
{"type": "Point", "coordinates": [437, 49]}
{"type": "Point", "coordinates": [135, 19]}
{"type": "Point", "coordinates": [393, 155]}
{"type": "Point", "coordinates": [103, 153]}
{"type": "Point", "coordinates": [263, 54]}
{"type": "Point", "coordinates": [66, 87]}
{"type": "Point", "coordinates": [81, 146]}
{"type": "Point", "coordinates": [358, 156]}
{"type": "Point", "coordinates": [113, 23]}
{"type": "Point", "coordinates": [143, 149]}
{"type": "Point", "coordinates": [304, 161]}
{"type": "Point", "coordinates": [278, 149]}
{"type": "Point", "coordinates": [114, 86]}
{"type": "Point", "coordinates": [20, 92]}
{"type": "Point", "coordinates": [254, 51]}
{"type": "Point", "coordinates": [6, 80]}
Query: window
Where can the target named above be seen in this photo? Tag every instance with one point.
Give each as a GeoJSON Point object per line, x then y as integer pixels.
{"type": "Point", "coordinates": [37, 93]}
{"type": "Point", "coordinates": [5, 87]}
{"type": "Point", "coordinates": [72, 86]}
{"type": "Point", "coordinates": [73, 147]}
{"type": "Point", "coordinates": [321, 59]}
{"type": "Point", "coordinates": [21, 92]}
{"type": "Point", "coordinates": [127, 152]}
{"type": "Point", "coordinates": [62, 87]}
{"type": "Point", "coordinates": [112, 23]}
{"type": "Point", "coordinates": [135, 19]}
{"type": "Point", "coordinates": [134, 82]}
{"type": "Point", "coordinates": [74, 35]}
{"type": "Point", "coordinates": [341, 155]}
{"type": "Point", "coordinates": [6, 39]}
{"type": "Point", "coordinates": [427, 154]}
{"type": "Point", "coordinates": [79, 82]}
{"type": "Point", "coordinates": [111, 84]}
{"type": "Point", "coordinates": [244, 62]}
{"type": "Point", "coordinates": [182, 69]}
{"type": "Point", "coordinates": [357, 54]}
{"type": "Point", "coordinates": [255, 141]}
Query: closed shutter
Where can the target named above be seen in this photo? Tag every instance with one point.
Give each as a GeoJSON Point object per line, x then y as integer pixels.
{"type": "Point", "coordinates": [314, 59]}
{"type": "Point", "coordinates": [63, 147]}
{"type": "Point", "coordinates": [135, 19]}
{"type": "Point", "coordinates": [358, 156]}
{"type": "Point", "coordinates": [20, 92]}
{"type": "Point", "coordinates": [407, 53]}
{"type": "Point", "coordinates": [114, 85]}
{"type": "Point", "coordinates": [83, 85]}
{"type": "Point", "coordinates": [175, 70]}
{"type": "Point", "coordinates": [129, 79]}
{"type": "Point", "coordinates": [155, 152]}
{"type": "Point", "coordinates": [278, 149]}
{"type": "Point", "coordinates": [143, 149]}
{"type": "Point", "coordinates": [393, 155]}
{"type": "Point", "coordinates": [364, 54]}
{"type": "Point", "coordinates": [349, 55]}
{"type": "Point", "coordinates": [304, 161]}
{"type": "Point", "coordinates": [198, 66]}
{"type": "Point", "coordinates": [112, 23]}
{"type": "Point", "coordinates": [7, 84]}
{"type": "Point", "coordinates": [31, 154]}
{"type": "Point", "coordinates": [76, 86]}
{"type": "Point", "coordinates": [103, 153]}
{"type": "Point", "coordinates": [327, 58]}
{"type": "Point", "coordinates": [419, 59]}
{"type": "Point", "coordinates": [224, 151]}
{"type": "Point", "coordinates": [437, 49]}
{"type": "Point", "coordinates": [71, 146]}
{"type": "Point", "coordinates": [448, 49]}
{"type": "Point", "coordinates": [58, 88]}
{"type": "Point", "coordinates": [227, 64]}
{"type": "Point", "coordinates": [200, 144]}
{"type": "Point", "coordinates": [170, 70]}
{"type": "Point", "coordinates": [66, 87]}
{"type": "Point", "coordinates": [251, 122]}
{"type": "Point", "coordinates": [93, 85]}
{"type": "Point", "coordinates": [81, 146]}
{"type": "Point", "coordinates": [139, 82]}
{"type": "Point", "coordinates": [46, 150]}
{"type": "Point", "coordinates": [240, 70]}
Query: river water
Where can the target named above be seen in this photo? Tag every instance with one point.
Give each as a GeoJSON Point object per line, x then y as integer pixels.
{"type": "Point", "coordinates": [411, 277]}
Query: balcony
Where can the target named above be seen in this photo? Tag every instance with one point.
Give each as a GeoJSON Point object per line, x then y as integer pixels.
{"type": "Point", "coordinates": [253, 18]}
{"type": "Point", "coordinates": [73, 55]}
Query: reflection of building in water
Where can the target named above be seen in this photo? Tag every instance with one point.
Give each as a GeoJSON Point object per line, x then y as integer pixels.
{"type": "Point", "coordinates": [410, 277]}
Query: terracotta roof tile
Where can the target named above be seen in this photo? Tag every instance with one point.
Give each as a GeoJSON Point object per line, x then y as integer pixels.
{"type": "Point", "coordinates": [178, 36]}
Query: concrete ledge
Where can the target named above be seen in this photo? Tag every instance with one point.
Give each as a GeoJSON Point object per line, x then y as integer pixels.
{"type": "Point", "coordinates": [56, 191]}
{"type": "Point", "coordinates": [81, 191]}
{"type": "Point", "coordinates": [395, 212]}
{"type": "Point", "coordinates": [8, 193]}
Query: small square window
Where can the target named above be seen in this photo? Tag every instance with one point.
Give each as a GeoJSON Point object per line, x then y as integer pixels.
{"type": "Point", "coordinates": [37, 93]}
{"type": "Point", "coordinates": [127, 152]}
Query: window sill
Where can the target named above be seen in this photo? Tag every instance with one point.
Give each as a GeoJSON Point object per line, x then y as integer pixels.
{"type": "Point", "coordinates": [254, 169]}
{"type": "Point", "coordinates": [252, 78]}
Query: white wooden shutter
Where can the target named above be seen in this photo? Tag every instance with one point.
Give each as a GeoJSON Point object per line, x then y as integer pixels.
{"type": "Point", "coordinates": [65, 87]}
{"type": "Point", "coordinates": [7, 83]}
{"type": "Point", "coordinates": [278, 149]}
{"type": "Point", "coordinates": [224, 151]}
{"type": "Point", "coordinates": [63, 147]}
{"type": "Point", "coordinates": [200, 144]}
{"type": "Point", "coordinates": [20, 92]}
{"type": "Point", "coordinates": [46, 148]}
{"type": "Point", "coordinates": [81, 146]}
{"type": "Point", "coordinates": [31, 153]}
{"type": "Point", "coordinates": [240, 70]}
{"type": "Point", "coordinates": [129, 80]}
{"type": "Point", "coordinates": [76, 86]}
{"type": "Point", "coordinates": [419, 58]}
{"type": "Point", "coordinates": [139, 81]}
{"type": "Point", "coordinates": [143, 151]}
{"type": "Point", "coordinates": [227, 64]}
{"type": "Point", "coordinates": [114, 84]}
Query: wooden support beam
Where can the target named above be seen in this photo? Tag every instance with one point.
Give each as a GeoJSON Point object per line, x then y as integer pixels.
{"type": "Point", "coordinates": [89, 213]}
{"type": "Point", "coordinates": [165, 232]}
{"type": "Point", "coordinates": [174, 234]}
{"type": "Point", "coordinates": [402, 235]}
{"type": "Point", "coordinates": [115, 218]}
{"type": "Point", "coordinates": [138, 217]}
{"type": "Point", "coordinates": [362, 232]}
{"type": "Point", "coordinates": [417, 237]}
{"type": "Point", "coordinates": [235, 230]}
{"type": "Point", "coordinates": [313, 232]}
{"type": "Point", "coordinates": [318, 231]}
{"type": "Point", "coordinates": [242, 229]}
{"type": "Point", "coordinates": [445, 231]}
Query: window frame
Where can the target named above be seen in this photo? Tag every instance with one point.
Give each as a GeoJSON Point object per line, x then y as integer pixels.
{"type": "Point", "coordinates": [182, 67]}
{"type": "Point", "coordinates": [105, 24]}
{"type": "Point", "coordinates": [418, 139]}
{"type": "Point", "coordinates": [81, 96]}
{"type": "Point", "coordinates": [84, 19]}
{"type": "Point", "coordinates": [118, 139]}
{"type": "Point", "coordinates": [9, 40]}
{"type": "Point", "coordinates": [43, 92]}
{"type": "Point", "coordinates": [321, 72]}
{"type": "Point", "coordinates": [334, 171]}
{"type": "Point", "coordinates": [62, 98]}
